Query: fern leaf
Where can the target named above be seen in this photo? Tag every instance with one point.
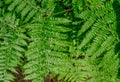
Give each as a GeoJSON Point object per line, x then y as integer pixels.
{"type": "Point", "coordinates": [12, 6]}
{"type": "Point", "coordinates": [10, 50]}
{"type": "Point", "coordinates": [87, 25]}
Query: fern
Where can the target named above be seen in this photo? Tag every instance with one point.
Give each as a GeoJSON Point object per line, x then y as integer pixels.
{"type": "Point", "coordinates": [98, 40]}
{"type": "Point", "coordinates": [46, 49]}
{"type": "Point", "coordinates": [12, 41]}
{"type": "Point", "coordinates": [75, 40]}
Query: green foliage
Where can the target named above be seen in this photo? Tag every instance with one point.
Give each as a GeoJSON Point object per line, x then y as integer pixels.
{"type": "Point", "coordinates": [77, 40]}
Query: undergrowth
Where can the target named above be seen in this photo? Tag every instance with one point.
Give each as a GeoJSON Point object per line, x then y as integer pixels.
{"type": "Point", "coordinates": [76, 40]}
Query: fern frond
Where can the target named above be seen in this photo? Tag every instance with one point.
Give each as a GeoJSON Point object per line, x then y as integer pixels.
{"type": "Point", "coordinates": [24, 9]}
{"type": "Point", "coordinates": [12, 41]}
{"type": "Point", "coordinates": [46, 52]}
{"type": "Point", "coordinates": [97, 42]}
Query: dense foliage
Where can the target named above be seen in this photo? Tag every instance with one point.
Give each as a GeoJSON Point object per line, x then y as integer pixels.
{"type": "Point", "coordinates": [77, 40]}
